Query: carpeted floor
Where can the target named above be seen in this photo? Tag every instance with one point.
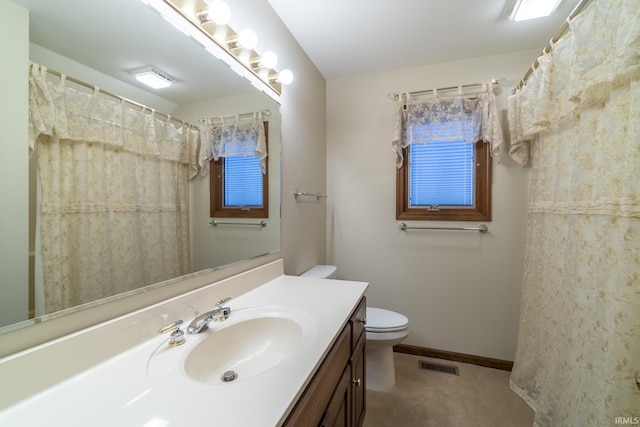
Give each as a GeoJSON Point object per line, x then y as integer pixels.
{"type": "Point", "coordinates": [478, 397]}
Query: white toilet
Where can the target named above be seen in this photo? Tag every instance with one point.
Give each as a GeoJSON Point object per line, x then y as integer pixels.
{"type": "Point", "coordinates": [385, 328]}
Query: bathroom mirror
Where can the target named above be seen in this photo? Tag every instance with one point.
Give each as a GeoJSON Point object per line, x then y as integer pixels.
{"type": "Point", "coordinates": [99, 43]}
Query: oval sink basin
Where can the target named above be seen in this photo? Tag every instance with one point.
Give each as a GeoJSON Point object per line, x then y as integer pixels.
{"type": "Point", "coordinates": [247, 348]}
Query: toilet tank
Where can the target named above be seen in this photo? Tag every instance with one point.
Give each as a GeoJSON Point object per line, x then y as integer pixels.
{"type": "Point", "coordinates": [321, 272]}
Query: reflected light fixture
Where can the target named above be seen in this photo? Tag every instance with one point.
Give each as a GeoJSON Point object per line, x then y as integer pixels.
{"type": "Point", "coordinates": [153, 77]}
{"type": "Point", "coordinates": [531, 9]}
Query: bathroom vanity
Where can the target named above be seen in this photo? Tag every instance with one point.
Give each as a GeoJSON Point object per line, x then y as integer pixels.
{"type": "Point", "coordinates": [336, 394]}
{"type": "Point", "coordinates": [291, 352]}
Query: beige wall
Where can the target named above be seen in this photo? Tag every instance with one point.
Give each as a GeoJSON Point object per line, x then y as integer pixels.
{"type": "Point", "coordinates": [14, 227]}
{"type": "Point", "coordinates": [303, 136]}
{"type": "Point", "coordinates": [460, 290]}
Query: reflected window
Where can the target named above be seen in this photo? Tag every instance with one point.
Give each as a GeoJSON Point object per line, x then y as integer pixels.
{"type": "Point", "coordinates": [239, 189]}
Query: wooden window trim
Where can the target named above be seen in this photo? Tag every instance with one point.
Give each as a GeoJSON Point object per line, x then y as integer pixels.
{"type": "Point", "coordinates": [482, 209]}
{"type": "Point", "coordinates": [216, 188]}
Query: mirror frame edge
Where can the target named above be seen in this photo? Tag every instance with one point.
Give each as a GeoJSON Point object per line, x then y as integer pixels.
{"type": "Point", "coordinates": [24, 338]}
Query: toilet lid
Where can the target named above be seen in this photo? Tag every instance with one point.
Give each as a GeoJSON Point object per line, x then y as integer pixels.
{"type": "Point", "coordinates": [381, 320]}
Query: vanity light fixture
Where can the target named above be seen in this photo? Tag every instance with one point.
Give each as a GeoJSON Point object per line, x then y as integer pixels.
{"type": "Point", "coordinates": [200, 21]}
{"type": "Point", "coordinates": [285, 77]}
{"type": "Point", "coordinates": [248, 38]}
{"type": "Point", "coordinates": [153, 77]}
{"type": "Point", "coordinates": [266, 61]}
{"type": "Point", "coordinates": [219, 12]}
{"type": "Point", "coordinates": [269, 59]}
{"type": "Point", "coordinates": [530, 9]}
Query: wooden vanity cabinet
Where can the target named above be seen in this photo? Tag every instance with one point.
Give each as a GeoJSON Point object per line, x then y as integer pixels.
{"type": "Point", "coordinates": [357, 362]}
{"type": "Point", "coordinates": [335, 397]}
{"type": "Point", "coordinates": [338, 412]}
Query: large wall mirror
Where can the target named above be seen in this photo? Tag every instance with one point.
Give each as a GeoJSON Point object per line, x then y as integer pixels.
{"type": "Point", "coordinates": [99, 43]}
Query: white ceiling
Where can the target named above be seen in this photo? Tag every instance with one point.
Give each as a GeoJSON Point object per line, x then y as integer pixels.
{"type": "Point", "coordinates": [353, 37]}
{"type": "Point", "coordinates": [342, 37]}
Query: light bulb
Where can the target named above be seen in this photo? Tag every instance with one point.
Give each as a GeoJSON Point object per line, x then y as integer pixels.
{"type": "Point", "coordinates": [269, 59]}
{"type": "Point", "coordinates": [219, 12]}
{"type": "Point", "coordinates": [247, 38]}
{"type": "Point", "coordinates": [285, 77]}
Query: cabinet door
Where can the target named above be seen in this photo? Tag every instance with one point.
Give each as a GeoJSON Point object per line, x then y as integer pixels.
{"type": "Point", "coordinates": [312, 405]}
{"type": "Point", "coordinates": [338, 413]}
{"type": "Point", "coordinates": [358, 383]}
{"type": "Point", "coordinates": [358, 320]}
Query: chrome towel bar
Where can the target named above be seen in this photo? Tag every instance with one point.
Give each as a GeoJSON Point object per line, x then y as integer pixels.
{"type": "Point", "coordinates": [318, 196]}
{"type": "Point", "coordinates": [481, 228]}
{"type": "Point", "coordinates": [216, 223]}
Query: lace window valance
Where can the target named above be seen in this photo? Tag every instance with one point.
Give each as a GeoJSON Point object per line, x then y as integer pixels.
{"type": "Point", "coordinates": [236, 136]}
{"type": "Point", "coordinates": [459, 118]}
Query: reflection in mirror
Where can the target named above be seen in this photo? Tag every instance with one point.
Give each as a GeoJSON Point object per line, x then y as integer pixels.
{"type": "Point", "coordinates": [98, 44]}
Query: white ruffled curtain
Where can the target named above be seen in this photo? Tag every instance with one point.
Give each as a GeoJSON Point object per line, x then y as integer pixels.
{"type": "Point", "coordinates": [115, 202]}
{"type": "Point", "coordinates": [236, 136]}
{"type": "Point", "coordinates": [577, 122]}
{"type": "Point", "coordinates": [439, 118]}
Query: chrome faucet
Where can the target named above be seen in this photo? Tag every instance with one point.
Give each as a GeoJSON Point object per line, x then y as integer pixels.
{"type": "Point", "coordinates": [217, 315]}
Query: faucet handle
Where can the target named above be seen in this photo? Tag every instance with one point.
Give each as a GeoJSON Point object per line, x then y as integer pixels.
{"type": "Point", "coordinates": [170, 327]}
{"type": "Point", "coordinates": [177, 336]}
{"type": "Point", "coordinates": [222, 301]}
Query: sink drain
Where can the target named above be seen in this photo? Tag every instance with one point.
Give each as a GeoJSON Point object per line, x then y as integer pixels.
{"type": "Point", "coordinates": [229, 376]}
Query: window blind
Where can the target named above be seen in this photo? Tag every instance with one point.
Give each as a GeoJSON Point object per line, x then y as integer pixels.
{"type": "Point", "coordinates": [242, 181]}
{"type": "Point", "coordinates": [441, 173]}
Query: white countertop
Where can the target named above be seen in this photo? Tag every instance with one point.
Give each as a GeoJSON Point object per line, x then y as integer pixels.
{"type": "Point", "coordinates": [122, 391]}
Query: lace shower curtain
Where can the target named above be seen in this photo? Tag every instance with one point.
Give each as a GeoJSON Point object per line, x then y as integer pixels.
{"type": "Point", "coordinates": [114, 209]}
{"type": "Point", "coordinates": [439, 118]}
{"type": "Point", "coordinates": [236, 136]}
{"type": "Point", "coordinates": [577, 122]}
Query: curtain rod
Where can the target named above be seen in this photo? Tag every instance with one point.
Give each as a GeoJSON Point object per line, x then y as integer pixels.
{"type": "Point", "coordinates": [113, 95]}
{"type": "Point", "coordinates": [394, 96]}
{"type": "Point", "coordinates": [265, 112]}
{"type": "Point", "coordinates": [561, 32]}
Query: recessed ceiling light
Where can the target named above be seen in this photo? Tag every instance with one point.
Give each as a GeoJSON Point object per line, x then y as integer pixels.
{"type": "Point", "coordinates": [153, 77]}
{"type": "Point", "coordinates": [530, 9]}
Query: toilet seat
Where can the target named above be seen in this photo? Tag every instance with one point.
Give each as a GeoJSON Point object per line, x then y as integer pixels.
{"type": "Point", "coordinates": [380, 320]}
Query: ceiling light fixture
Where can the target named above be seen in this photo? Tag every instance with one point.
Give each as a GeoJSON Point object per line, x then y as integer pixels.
{"type": "Point", "coordinates": [531, 9]}
{"type": "Point", "coordinates": [153, 77]}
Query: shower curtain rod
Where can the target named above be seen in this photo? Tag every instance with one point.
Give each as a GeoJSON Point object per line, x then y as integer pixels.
{"type": "Point", "coordinates": [118, 97]}
{"type": "Point", "coordinates": [561, 32]}
{"type": "Point", "coordinates": [394, 96]}
{"type": "Point", "coordinates": [265, 112]}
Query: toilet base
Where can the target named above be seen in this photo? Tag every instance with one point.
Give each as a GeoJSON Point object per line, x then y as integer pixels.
{"type": "Point", "coordinates": [381, 369]}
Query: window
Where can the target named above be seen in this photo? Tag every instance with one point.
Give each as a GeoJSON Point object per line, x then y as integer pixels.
{"type": "Point", "coordinates": [444, 146]}
{"type": "Point", "coordinates": [444, 181]}
{"type": "Point", "coordinates": [238, 187]}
